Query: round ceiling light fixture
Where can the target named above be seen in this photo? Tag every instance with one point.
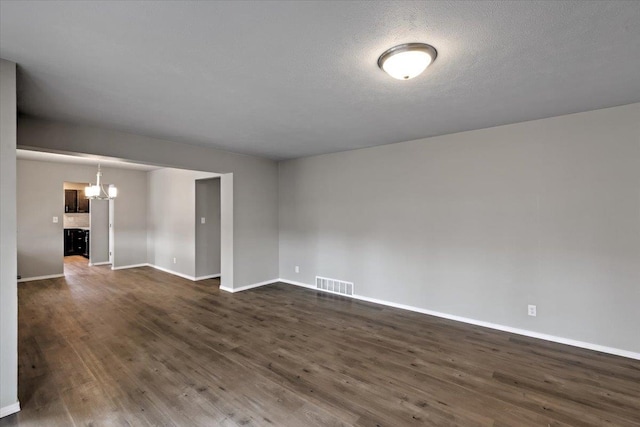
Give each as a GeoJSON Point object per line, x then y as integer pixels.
{"type": "Point", "coordinates": [406, 61]}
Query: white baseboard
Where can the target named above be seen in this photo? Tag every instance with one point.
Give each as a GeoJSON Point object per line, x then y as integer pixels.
{"type": "Point", "coordinates": [175, 273]}
{"type": "Point", "coordinates": [518, 331]}
{"type": "Point", "coordinates": [99, 263]}
{"type": "Point", "coordinates": [123, 267]}
{"type": "Point", "coordinates": [184, 276]}
{"type": "Point", "coordinates": [247, 287]}
{"type": "Point", "coordinates": [210, 276]}
{"type": "Point", "coordinates": [166, 270]}
{"type": "Point", "coordinates": [30, 279]}
{"type": "Point", "coordinates": [293, 282]}
{"type": "Point", "coordinates": [10, 409]}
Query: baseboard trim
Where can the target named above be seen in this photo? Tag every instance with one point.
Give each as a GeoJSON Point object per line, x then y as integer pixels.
{"type": "Point", "coordinates": [504, 328]}
{"type": "Point", "coordinates": [10, 409]}
{"type": "Point", "coordinates": [166, 270]}
{"type": "Point", "coordinates": [123, 267]}
{"type": "Point", "coordinates": [292, 282]}
{"type": "Point", "coordinates": [210, 276]}
{"type": "Point", "coordinates": [247, 287]}
{"type": "Point", "coordinates": [175, 273]}
{"type": "Point", "coordinates": [184, 276]}
{"type": "Point", "coordinates": [30, 279]}
{"type": "Point", "coordinates": [518, 331]}
{"type": "Point", "coordinates": [99, 263]}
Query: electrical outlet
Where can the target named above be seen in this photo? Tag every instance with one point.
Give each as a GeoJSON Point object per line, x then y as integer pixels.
{"type": "Point", "coordinates": [202, 220]}
{"type": "Point", "coordinates": [297, 269]}
{"type": "Point", "coordinates": [175, 261]}
{"type": "Point", "coordinates": [531, 310]}
{"type": "Point", "coordinates": [55, 219]}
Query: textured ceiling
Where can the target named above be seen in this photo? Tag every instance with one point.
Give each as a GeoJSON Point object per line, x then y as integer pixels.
{"type": "Point", "coordinates": [291, 79]}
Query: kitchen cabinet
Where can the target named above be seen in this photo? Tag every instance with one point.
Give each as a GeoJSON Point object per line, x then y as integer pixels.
{"type": "Point", "coordinates": [75, 202]}
{"type": "Point", "coordinates": [70, 201]}
{"type": "Point", "coordinates": [68, 242]}
{"type": "Point", "coordinates": [85, 252]}
{"type": "Point", "coordinates": [83, 203]}
{"type": "Point", "coordinates": [76, 242]}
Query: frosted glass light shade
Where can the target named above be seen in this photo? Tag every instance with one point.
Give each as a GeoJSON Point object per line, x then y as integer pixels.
{"type": "Point", "coordinates": [97, 191]}
{"type": "Point", "coordinates": [406, 61]}
{"type": "Point", "coordinates": [92, 191]}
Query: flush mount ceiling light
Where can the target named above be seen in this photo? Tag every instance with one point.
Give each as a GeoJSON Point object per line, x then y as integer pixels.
{"type": "Point", "coordinates": [93, 192]}
{"type": "Point", "coordinates": [406, 61]}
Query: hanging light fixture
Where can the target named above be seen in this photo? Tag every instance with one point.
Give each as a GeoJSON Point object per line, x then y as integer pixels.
{"type": "Point", "coordinates": [97, 191]}
{"type": "Point", "coordinates": [406, 61]}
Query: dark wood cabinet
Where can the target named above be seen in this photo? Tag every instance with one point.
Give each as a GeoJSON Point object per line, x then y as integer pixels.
{"type": "Point", "coordinates": [83, 203]}
{"type": "Point", "coordinates": [85, 252]}
{"type": "Point", "coordinates": [75, 202]}
{"type": "Point", "coordinates": [68, 242]}
{"type": "Point", "coordinates": [70, 201]}
{"type": "Point", "coordinates": [76, 242]}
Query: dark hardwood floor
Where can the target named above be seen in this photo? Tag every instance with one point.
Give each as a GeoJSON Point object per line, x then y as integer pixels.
{"type": "Point", "coordinates": [142, 347]}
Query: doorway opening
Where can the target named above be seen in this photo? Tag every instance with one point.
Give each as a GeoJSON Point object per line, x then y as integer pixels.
{"type": "Point", "coordinates": [86, 229]}
{"type": "Point", "coordinates": [190, 223]}
{"type": "Point", "coordinates": [152, 222]}
{"type": "Point", "coordinates": [208, 228]}
{"type": "Point", "coordinates": [76, 227]}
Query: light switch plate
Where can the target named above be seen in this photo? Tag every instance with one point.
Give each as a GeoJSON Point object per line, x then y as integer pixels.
{"type": "Point", "coordinates": [202, 220]}
{"type": "Point", "coordinates": [55, 219]}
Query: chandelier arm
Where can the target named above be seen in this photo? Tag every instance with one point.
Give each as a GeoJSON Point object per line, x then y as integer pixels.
{"type": "Point", "coordinates": [98, 191]}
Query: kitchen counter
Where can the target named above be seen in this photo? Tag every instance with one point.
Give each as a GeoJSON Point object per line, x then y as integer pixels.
{"type": "Point", "coordinates": [78, 228]}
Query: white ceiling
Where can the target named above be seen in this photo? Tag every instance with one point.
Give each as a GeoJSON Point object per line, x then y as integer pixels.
{"type": "Point", "coordinates": [290, 79]}
{"type": "Point", "coordinates": [42, 156]}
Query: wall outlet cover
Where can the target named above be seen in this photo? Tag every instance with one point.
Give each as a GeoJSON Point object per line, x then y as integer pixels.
{"type": "Point", "coordinates": [55, 219]}
{"type": "Point", "coordinates": [532, 310]}
{"type": "Point", "coordinates": [297, 269]}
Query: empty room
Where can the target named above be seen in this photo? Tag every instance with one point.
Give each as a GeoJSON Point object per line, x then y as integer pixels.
{"type": "Point", "coordinates": [319, 213]}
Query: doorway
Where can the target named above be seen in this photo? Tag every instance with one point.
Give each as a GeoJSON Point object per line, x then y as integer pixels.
{"type": "Point", "coordinates": [138, 233]}
{"type": "Point", "coordinates": [208, 228]}
{"type": "Point", "coordinates": [76, 226]}
{"type": "Point", "coordinates": [86, 229]}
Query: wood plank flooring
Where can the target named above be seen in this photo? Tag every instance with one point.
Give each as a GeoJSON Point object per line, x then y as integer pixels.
{"type": "Point", "coordinates": [142, 347]}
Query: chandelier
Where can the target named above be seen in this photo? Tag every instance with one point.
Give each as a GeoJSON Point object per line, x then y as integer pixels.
{"type": "Point", "coordinates": [97, 191]}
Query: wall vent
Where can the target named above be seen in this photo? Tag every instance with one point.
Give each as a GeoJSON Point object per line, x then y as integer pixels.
{"type": "Point", "coordinates": [334, 286]}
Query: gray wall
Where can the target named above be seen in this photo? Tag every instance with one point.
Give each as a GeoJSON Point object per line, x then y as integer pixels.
{"type": "Point", "coordinates": [8, 289]}
{"type": "Point", "coordinates": [99, 237]}
{"type": "Point", "coordinates": [171, 202]}
{"type": "Point", "coordinates": [255, 184]}
{"type": "Point", "coordinates": [227, 231]}
{"type": "Point", "coordinates": [207, 234]}
{"type": "Point", "coordinates": [40, 190]}
{"type": "Point", "coordinates": [479, 224]}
